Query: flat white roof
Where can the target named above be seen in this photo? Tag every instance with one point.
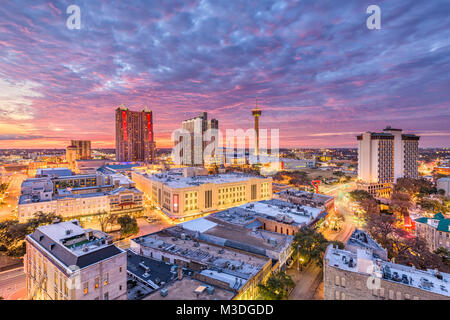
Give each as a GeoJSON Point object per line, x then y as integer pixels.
{"type": "Point", "coordinates": [200, 225]}
{"type": "Point", "coordinates": [176, 180]}
{"type": "Point", "coordinates": [425, 280]}
{"type": "Point", "coordinates": [271, 209]}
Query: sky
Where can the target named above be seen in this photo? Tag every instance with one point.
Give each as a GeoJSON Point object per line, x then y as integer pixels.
{"type": "Point", "coordinates": [320, 75]}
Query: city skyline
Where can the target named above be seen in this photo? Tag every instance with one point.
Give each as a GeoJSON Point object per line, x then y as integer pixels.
{"type": "Point", "coordinates": [320, 76]}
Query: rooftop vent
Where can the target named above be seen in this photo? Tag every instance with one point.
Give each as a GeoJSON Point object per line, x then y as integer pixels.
{"type": "Point", "coordinates": [52, 245]}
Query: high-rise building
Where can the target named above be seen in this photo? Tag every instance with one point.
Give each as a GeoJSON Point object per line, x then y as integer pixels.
{"type": "Point", "coordinates": [192, 150]}
{"type": "Point", "coordinates": [66, 262]}
{"type": "Point", "coordinates": [134, 135]}
{"type": "Point", "coordinates": [383, 157]}
{"type": "Point", "coordinates": [83, 148]}
{"type": "Point", "coordinates": [78, 150]}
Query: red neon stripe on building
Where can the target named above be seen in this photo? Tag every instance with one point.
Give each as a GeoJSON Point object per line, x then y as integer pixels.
{"type": "Point", "coordinates": [149, 127]}
{"type": "Point", "coordinates": [124, 125]}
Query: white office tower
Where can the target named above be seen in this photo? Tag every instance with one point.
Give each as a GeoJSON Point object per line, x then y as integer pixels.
{"type": "Point", "coordinates": [384, 157]}
{"type": "Point", "coordinates": [195, 143]}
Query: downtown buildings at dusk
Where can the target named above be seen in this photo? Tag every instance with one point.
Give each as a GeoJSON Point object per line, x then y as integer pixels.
{"type": "Point", "coordinates": [117, 182]}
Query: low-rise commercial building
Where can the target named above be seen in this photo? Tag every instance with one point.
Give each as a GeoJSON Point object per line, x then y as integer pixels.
{"type": "Point", "coordinates": [436, 231]}
{"type": "Point", "coordinates": [181, 196]}
{"type": "Point", "coordinates": [315, 200]}
{"type": "Point", "coordinates": [38, 195]}
{"type": "Point", "coordinates": [66, 262]}
{"type": "Point", "coordinates": [361, 276]}
{"type": "Point", "coordinates": [227, 268]}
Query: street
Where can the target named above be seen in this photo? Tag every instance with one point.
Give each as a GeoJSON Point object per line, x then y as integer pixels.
{"type": "Point", "coordinates": [10, 202]}
{"type": "Point", "coordinates": [13, 284]}
{"type": "Point", "coordinates": [309, 281]}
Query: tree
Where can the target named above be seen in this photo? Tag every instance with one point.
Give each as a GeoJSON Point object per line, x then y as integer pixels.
{"type": "Point", "coordinates": [13, 233]}
{"type": "Point", "coordinates": [276, 287]}
{"type": "Point", "coordinates": [128, 226]}
{"type": "Point", "coordinates": [310, 244]}
{"type": "Point", "coordinates": [360, 195]}
{"type": "Point", "coordinates": [444, 254]}
{"type": "Point", "coordinates": [105, 220]}
{"type": "Point", "coordinates": [401, 203]}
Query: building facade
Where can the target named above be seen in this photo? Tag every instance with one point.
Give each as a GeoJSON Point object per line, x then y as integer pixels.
{"type": "Point", "coordinates": [78, 196]}
{"type": "Point", "coordinates": [181, 196]}
{"type": "Point", "coordinates": [436, 231]}
{"type": "Point", "coordinates": [384, 157]}
{"type": "Point", "coordinates": [360, 276]}
{"type": "Point", "coordinates": [134, 135]}
{"type": "Point", "coordinates": [66, 262]}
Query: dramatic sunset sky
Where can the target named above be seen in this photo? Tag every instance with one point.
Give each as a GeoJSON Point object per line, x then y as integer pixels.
{"type": "Point", "coordinates": [320, 75]}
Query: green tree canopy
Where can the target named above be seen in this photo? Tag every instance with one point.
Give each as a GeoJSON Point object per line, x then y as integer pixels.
{"type": "Point", "coordinates": [13, 233]}
{"type": "Point", "coordinates": [128, 225]}
{"type": "Point", "coordinates": [276, 287]}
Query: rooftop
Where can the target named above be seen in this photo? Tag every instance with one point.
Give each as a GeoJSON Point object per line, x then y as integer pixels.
{"type": "Point", "coordinates": [438, 222]}
{"type": "Point", "coordinates": [191, 289]}
{"type": "Point", "coordinates": [153, 272]}
{"type": "Point", "coordinates": [307, 196]}
{"type": "Point", "coordinates": [175, 179]}
{"type": "Point", "coordinates": [429, 280]}
{"type": "Point", "coordinates": [181, 242]}
{"type": "Point", "coordinates": [72, 245]}
{"type": "Point", "coordinates": [283, 211]}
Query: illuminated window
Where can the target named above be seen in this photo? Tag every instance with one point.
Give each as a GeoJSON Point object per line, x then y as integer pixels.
{"type": "Point", "coordinates": [86, 287]}
{"type": "Point", "coordinates": [97, 282]}
{"type": "Point", "coordinates": [106, 279]}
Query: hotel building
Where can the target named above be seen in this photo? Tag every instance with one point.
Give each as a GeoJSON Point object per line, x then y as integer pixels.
{"type": "Point", "coordinates": [134, 135]}
{"type": "Point", "coordinates": [181, 195]}
{"type": "Point", "coordinates": [66, 262]}
{"type": "Point", "coordinates": [384, 157]}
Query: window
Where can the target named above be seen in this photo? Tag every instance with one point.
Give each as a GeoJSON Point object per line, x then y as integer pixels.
{"type": "Point", "coordinates": [343, 282]}
{"type": "Point", "coordinates": [86, 287]}
{"type": "Point", "coordinates": [120, 269]}
{"type": "Point", "coordinates": [336, 280]}
{"type": "Point", "coordinates": [391, 294]}
{"type": "Point", "coordinates": [106, 296]}
{"type": "Point", "coordinates": [253, 195]}
{"type": "Point", "coordinates": [105, 279]}
{"type": "Point", "coordinates": [337, 295]}
{"type": "Point", "coordinates": [120, 288]}
{"type": "Point", "coordinates": [97, 282]}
